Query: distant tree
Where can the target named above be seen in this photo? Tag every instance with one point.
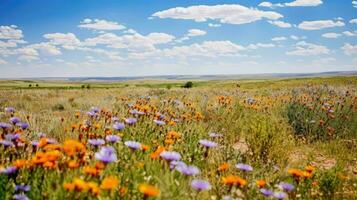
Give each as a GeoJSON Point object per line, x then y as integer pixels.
{"type": "Point", "coordinates": [36, 84]}
{"type": "Point", "coordinates": [88, 86]}
{"type": "Point", "coordinates": [83, 86]}
{"type": "Point", "coordinates": [188, 84]}
{"type": "Point", "coordinates": [30, 85]}
{"type": "Point", "coordinates": [168, 87]}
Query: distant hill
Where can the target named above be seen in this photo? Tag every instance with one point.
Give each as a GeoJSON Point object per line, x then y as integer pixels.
{"type": "Point", "coordinates": [197, 77]}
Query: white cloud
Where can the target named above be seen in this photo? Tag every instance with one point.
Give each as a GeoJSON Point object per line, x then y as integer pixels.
{"type": "Point", "coordinates": [331, 35]}
{"type": "Point", "coordinates": [66, 40]}
{"type": "Point", "coordinates": [2, 62]}
{"type": "Point", "coordinates": [281, 24]}
{"type": "Point", "coordinates": [308, 49]}
{"type": "Point", "coordinates": [10, 32]}
{"type": "Point", "coordinates": [46, 48]}
{"type": "Point", "coordinates": [349, 49]}
{"type": "Point", "coordinates": [214, 25]}
{"type": "Point", "coordinates": [349, 34]}
{"type": "Point", "coordinates": [98, 24]}
{"type": "Point", "coordinates": [353, 21]}
{"type": "Point", "coordinates": [260, 45]}
{"type": "Point", "coordinates": [295, 3]}
{"type": "Point", "coordinates": [320, 24]}
{"type": "Point", "coordinates": [278, 38]}
{"type": "Point", "coordinates": [195, 32]}
{"type": "Point", "coordinates": [354, 4]}
{"type": "Point", "coordinates": [304, 3]}
{"type": "Point", "coordinates": [230, 14]}
{"type": "Point", "coordinates": [294, 37]}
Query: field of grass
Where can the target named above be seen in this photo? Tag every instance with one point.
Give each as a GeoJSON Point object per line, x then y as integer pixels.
{"type": "Point", "coordinates": [231, 139]}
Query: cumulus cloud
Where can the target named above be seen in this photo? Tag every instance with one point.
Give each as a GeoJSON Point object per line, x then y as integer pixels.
{"type": "Point", "coordinates": [63, 39]}
{"type": "Point", "coordinates": [349, 49]}
{"type": "Point", "coordinates": [260, 45]}
{"type": "Point", "coordinates": [281, 24]}
{"type": "Point", "coordinates": [2, 62]}
{"type": "Point", "coordinates": [10, 32]}
{"type": "Point", "coordinates": [294, 37]}
{"type": "Point", "coordinates": [354, 4]}
{"type": "Point", "coordinates": [320, 24]}
{"type": "Point", "coordinates": [195, 32]}
{"type": "Point", "coordinates": [353, 21]}
{"type": "Point", "coordinates": [308, 49]}
{"type": "Point", "coordinates": [349, 33]}
{"type": "Point", "coordinates": [46, 48]}
{"type": "Point", "coordinates": [98, 24]}
{"type": "Point", "coordinates": [331, 35]}
{"type": "Point", "coordinates": [278, 39]}
{"type": "Point", "coordinates": [295, 3]}
{"type": "Point", "coordinates": [230, 14]}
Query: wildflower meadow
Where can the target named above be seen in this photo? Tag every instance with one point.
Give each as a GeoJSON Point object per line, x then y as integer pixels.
{"type": "Point", "coordinates": [248, 139]}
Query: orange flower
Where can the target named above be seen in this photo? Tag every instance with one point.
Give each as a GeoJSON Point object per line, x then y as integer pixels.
{"type": "Point", "coordinates": [80, 184]}
{"type": "Point", "coordinates": [68, 186]}
{"type": "Point", "coordinates": [310, 168]}
{"type": "Point", "coordinates": [234, 180]}
{"type": "Point", "coordinates": [223, 167]}
{"type": "Point", "coordinates": [260, 183]}
{"type": "Point", "coordinates": [156, 154]}
{"type": "Point", "coordinates": [149, 190]}
{"type": "Point", "coordinates": [91, 171]}
{"type": "Point", "coordinates": [71, 147]}
{"type": "Point", "coordinates": [49, 165]}
{"type": "Point", "coordinates": [93, 188]}
{"type": "Point", "coordinates": [52, 147]}
{"type": "Point", "coordinates": [296, 173]}
{"type": "Point", "coordinates": [19, 163]}
{"type": "Point", "coordinates": [73, 164]}
{"type": "Point", "coordinates": [144, 147]}
{"type": "Point", "coordinates": [109, 183]}
{"type": "Point", "coordinates": [42, 142]}
{"type": "Point", "coordinates": [99, 165]}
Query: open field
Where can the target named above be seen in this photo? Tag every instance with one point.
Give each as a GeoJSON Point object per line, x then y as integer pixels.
{"type": "Point", "coordinates": [221, 139]}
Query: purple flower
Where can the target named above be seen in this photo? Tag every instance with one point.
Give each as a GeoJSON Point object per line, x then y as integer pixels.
{"type": "Point", "coordinates": [12, 137]}
{"type": "Point", "coordinates": [6, 143]}
{"type": "Point", "coordinates": [170, 156]}
{"type": "Point", "coordinates": [34, 143]}
{"type": "Point", "coordinates": [91, 114]}
{"type": "Point", "coordinates": [200, 185]}
{"type": "Point", "coordinates": [20, 197]}
{"type": "Point", "coordinates": [266, 192]}
{"type": "Point", "coordinates": [133, 145]}
{"type": "Point", "coordinates": [174, 164]}
{"type": "Point", "coordinates": [188, 170]}
{"type": "Point", "coordinates": [215, 135]}
{"type": "Point", "coordinates": [106, 155]}
{"type": "Point", "coordinates": [9, 109]}
{"type": "Point", "coordinates": [96, 142]}
{"type": "Point", "coordinates": [112, 138]}
{"type": "Point", "coordinates": [280, 195]}
{"type": "Point", "coordinates": [286, 186]}
{"type": "Point", "coordinates": [8, 170]}
{"type": "Point", "coordinates": [95, 110]}
{"type": "Point", "coordinates": [23, 188]}
{"type": "Point", "coordinates": [5, 125]}
{"type": "Point", "coordinates": [207, 143]}
{"type": "Point", "coordinates": [244, 167]}
{"type": "Point", "coordinates": [118, 126]}
{"type": "Point", "coordinates": [115, 119]}
{"type": "Point", "coordinates": [159, 122]}
{"type": "Point", "coordinates": [23, 125]}
{"type": "Point", "coordinates": [136, 112]}
{"type": "Point", "coordinates": [15, 120]}
{"type": "Point", "coordinates": [131, 121]}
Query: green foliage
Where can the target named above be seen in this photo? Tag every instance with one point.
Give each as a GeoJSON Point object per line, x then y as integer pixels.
{"type": "Point", "coordinates": [188, 84]}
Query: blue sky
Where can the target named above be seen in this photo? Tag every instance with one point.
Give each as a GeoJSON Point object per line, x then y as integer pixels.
{"type": "Point", "coordinates": [160, 37]}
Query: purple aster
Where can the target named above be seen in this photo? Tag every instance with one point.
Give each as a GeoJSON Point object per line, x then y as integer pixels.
{"type": "Point", "coordinates": [131, 121]}
{"type": "Point", "coordinates": [115, 119]}
{"type": "Point", "coordinates": [170, 156]}
{"type": "Point", "coordinates": [34, 143]}
{"type": "Point", "coordinates": [9, 109]}
{"type": "Point", "coordinates": [112, 138]}
{"type": "Point", "coordinates": [133, 145]}
{"type": "Point", "coordinates": [106, 155]}
{"type": "Point", "coordinates": [280, 195]}
{"type": "Point", "coordinates": [286, 186]}
{"type": "Point", "coordinates": [118, 126]}
{"type": "Point", "coordinates": [266, 192]}
{"type": "Point", "coordinates": [8, 170]}
{"type": "Point", "coordinates": [6, 143]}
{"type": "Point", "coordinates": [208, 143]}
{"type": "Point", "coordinates": [5, 125]}
{"type": "Point", "coordinates": [96, 142]}
{"type": "Point", "coordinates": [159, 122]}
{"type": "Point", "coordinates": [23, 188]}
{"type": "Point", "coordinates": [23, 125]}
{"type": "Point", "coordinates": [200, 185]}
{"type": "Point", "coordinates": [95, 110]}
{"type": "Point", "coordinates": [41, 135]}
{"type": "Point", "coordinates": [215, 135]}
{"type": "Point", "coordinates": [244, 167]}
{"type": "Point", "coordinates": [12, 136]}
{"type": "Point", "coordinates": [20, 197]}
{"type": "Point", "coordinates": [15, 120]}
{"type": "Point", "coordinates": [174, 164]}
{"type": "Point", "coordinates": [188, 170]}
